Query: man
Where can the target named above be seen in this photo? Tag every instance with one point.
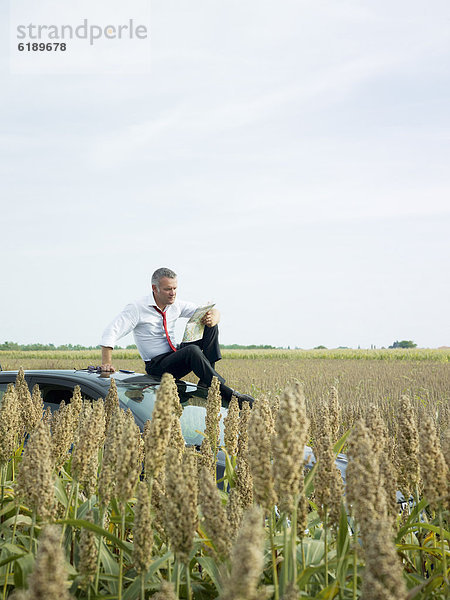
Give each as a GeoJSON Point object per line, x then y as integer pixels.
{"type": "Point", "coordinates": [152, 320]}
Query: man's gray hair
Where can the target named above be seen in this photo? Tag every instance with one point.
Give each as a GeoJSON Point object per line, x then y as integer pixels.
{"type": "Point", "coordinates": [160, 273]}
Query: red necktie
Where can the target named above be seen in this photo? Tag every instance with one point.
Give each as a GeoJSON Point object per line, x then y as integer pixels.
{"type": "Point", "coordinates": [163, 314]}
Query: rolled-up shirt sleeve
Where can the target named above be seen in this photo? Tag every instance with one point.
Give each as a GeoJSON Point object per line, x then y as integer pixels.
{"type": "Point", "coordinates": [187, 309]}
{"type": "Point", "coordinates": [125, 322]}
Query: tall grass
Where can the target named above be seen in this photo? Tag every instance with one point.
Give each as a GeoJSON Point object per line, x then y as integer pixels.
{"type": "Point", "coordinates": [202, 545]}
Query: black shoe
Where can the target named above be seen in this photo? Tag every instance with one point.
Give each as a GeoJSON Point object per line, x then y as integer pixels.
{"type": "Point", "coordinates": [243, 398]}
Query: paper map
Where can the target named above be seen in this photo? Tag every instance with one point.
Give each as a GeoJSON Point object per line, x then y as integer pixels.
{"type": "Point", "coordinates": [194, 327]}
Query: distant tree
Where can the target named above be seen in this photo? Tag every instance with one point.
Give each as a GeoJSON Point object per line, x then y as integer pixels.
{"type": "Point", "coordinates": [320, 348]}
{"type": "Point", "coordinates": [9, 346]}
{"type": "Point", "coordinates": [404, 344]}
{"type": "Point", "coordinates": [131, 347]}
{"type": "Point", "coordinates": [40, 347]}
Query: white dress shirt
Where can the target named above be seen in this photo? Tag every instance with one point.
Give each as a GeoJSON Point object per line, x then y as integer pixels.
{"type": "Point", "coordinates": [146, 323]}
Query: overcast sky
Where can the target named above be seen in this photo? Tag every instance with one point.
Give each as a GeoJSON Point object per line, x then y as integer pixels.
{"type": "Point", "coordinates": [288, 159]}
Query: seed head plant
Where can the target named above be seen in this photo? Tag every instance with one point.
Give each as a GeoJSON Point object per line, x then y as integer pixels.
{"type": "Point", "coordinates": [111, 402]}
{"type": "Point", "coordinates": [231, 427]}
{"type": "Point", "coordinates": [247, 560]}
{"type": "Point", "coordinates": [206, 457]}
{"type": "Point", "coordinates": [433, 468]}
{"type": "Point", "coordinates": [9, 424]}
{"type": "Point", "coordinates": [111, 456]}
{"type": "Point", "coordinates": [85, 451]}
{"type": "Point", "coordinates": [213, 416]}
{"type": "Point", "coordinates": [128, 467]}
{"type": "Point", "coordinates": [157, 434]}
{"type": "Point", "coordinates": [363, 491]}
{"type": "Point", "coordinates": [214, 514]}
{"type": "Point", "coordinates": [266, 412]}
{"type": "Point", "coordinates": [274, 402]}
{"type": "Point", "coordinates": [158, 506]}
{"type": "Point", "coordinates": [37, 407]}
{"type": "Point", "coordinates": [291, 430]}
{"type": "Point", "coordinates": [243, 476]}
{"type": "Point", "coordinates": [49, 577]}
{"type": "Point", "coordinates": [328, 486]}
{"type": "Point", "coordinates": [382, 575]}
{"type": "Point", "coordinates": [302, 512]}
{"type": "Point", "coordinates": [77, 400]}
{"type": "Point", "coordinates": [166, 592]}
{"type": "Point", "coordinates": [142, 530]}
{"type": "Point", "coordinates": [259, 455]}
{"type": "Point", "coordinates": [234, 512]}
{"type": "Point", "coordinates": [178, 526]}
{"type": "Point", "coordinates": [25, 403]}
{"type": "Point", "coordinates": [176, 437]}
{"type": "Point", "coordinates": [291, 592]}
{"type": "Point", "coordinates": [408, 448]}
{"type": "Point", "coordinates": [384, 449]}
{"type": "Point", "coordinates": [34, 482]}
{"type": "Point", "coordinates": [177, 408]}
{"type": "Point", "coordinates": [446, 455]}
{"type": "Point", "coordinates": [334, 410]}
{"type": "Point", "coordinates": [181, 503]}
{"type": "Point", "coordinates": [244, 418]}
{"type": "Point", "coordinates": [88, 554]}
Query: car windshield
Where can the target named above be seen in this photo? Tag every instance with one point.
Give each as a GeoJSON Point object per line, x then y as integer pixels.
{"type": "Point", "coordinates": [141, 400]}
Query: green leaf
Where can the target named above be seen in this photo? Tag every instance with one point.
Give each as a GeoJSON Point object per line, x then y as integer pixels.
{"type": "Point", "coordinates": [342, 548]}
{"type": "Point", "coordinates": [412, 521]}
{"type": "Point", "coordinates": [307, 573]}
{"type": "Point", "coordinates": [342, 539]}
{"type": "Point", "coordinates": [427, 549]}
{"type": "Point", "coordinates": [328, 592]}
{"type": "Point", "coordinates": [314, 551]}
{"type": "Point", "coordinates": [309, 480]}
{"type": "Point", "coordinates": [8, 507]}
{"type": "Point", "coordinates": [210, 566]}
{"type": "Point", "coordinates": [230, 463]}
{"type": "Point", "coordinates": [434, 528]}
{"type": "Point", "coordinates": [21, 520]}
{"type": "Point", "coordinates": [132, 592]}
{"type": "Point", "coordinates": [60, 492]}
{"type": "Point", "coordinates": [341, 442]}
{"type": "Point", "coordinates": [110, 564]}
{"type": "Point", "coordinates": [126, 546]}
{"type": "Point", "coordinates": [111, 568]}
{"type": "Point", "coordinates": [14, 548]}
{"type": "Point", "coordinates": [22, 568]}
{"type": "Point", "coordinates": [11, 558]}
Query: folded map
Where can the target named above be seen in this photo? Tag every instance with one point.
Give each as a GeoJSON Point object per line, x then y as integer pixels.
{"type": "Point", "coordinates": [194, 327]}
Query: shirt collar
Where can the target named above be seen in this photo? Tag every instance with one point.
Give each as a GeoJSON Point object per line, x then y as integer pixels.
{"type": "Point", "coordinates": [152, 303]}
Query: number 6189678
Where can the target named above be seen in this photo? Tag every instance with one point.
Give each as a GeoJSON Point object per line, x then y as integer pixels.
{"type": "Point", "coordinates": [42, 47]}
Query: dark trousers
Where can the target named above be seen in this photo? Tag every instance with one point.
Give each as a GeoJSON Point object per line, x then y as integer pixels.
{"type": "Point", "coordinates": [199, 357]}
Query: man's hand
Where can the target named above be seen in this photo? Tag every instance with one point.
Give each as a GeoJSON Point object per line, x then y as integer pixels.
{"type": "Point", "coordinates": [107, 367]}
{"type": "Point", "coordinates": [211, 318]}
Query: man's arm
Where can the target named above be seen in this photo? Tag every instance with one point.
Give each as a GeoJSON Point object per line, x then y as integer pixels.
{"type": "Point", "coordinates": [119, 326]}
{"type": "Point", "coordinates": [211, 318]}
{"type": "Point", "coordinates": [106, 359]}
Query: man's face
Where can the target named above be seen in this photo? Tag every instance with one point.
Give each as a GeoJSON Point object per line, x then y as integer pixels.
{"type": "Point", "coordinates": [166, 293]}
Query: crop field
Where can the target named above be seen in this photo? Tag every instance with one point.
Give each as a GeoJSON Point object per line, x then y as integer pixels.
{"type": "Point", "coordinates": [93, 508]}
{"type": "Point", "coordinates": [362, 377]}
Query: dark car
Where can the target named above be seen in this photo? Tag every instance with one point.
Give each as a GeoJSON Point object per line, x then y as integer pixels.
{"type": "Point", "coordinates": [136, 392]}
